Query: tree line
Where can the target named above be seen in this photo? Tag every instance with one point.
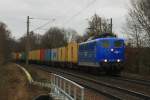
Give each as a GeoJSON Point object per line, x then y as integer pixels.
{"type": "Point", "coordinates": [53, 38]}
{"type": "Point", "coordinates": [5, 43]}
{"type": "Point", "coordinates": [137, 29]}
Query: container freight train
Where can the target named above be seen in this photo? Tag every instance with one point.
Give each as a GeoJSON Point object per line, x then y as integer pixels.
{"type": "Point", "coordinates": [103, 54]}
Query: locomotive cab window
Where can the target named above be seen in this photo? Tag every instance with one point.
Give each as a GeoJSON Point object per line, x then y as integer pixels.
{"type": "Point", "coordinates": [118, 43]}
{"type": "Point", "coordinates": [105, 44]}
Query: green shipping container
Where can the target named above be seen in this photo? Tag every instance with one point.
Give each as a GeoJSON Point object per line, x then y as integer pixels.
{"type": "Point", "coordinates": [23, 56]}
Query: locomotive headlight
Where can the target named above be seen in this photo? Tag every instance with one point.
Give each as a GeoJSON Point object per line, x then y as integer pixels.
{"type": "Point", "coordinates": [105, 60]}
{"type": "Point", "coordinates": [118, 60]}
{"type": "Point", "coordinates": [112, 50]}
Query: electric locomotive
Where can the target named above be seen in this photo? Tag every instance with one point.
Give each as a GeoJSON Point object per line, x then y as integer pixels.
{"type": "Point", "coordinates": [106, 54]}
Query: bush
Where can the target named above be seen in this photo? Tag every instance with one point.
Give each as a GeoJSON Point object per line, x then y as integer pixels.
{"type": "Point", "coordinates": [137, 60]}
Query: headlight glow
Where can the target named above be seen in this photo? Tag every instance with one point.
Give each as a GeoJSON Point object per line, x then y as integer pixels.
{"type": "Point", "coordinates": [118, 60]}
{"type": "Point", "coordinates": [112, 50]}
{"type": "Point", "coordinates": [105, 60]}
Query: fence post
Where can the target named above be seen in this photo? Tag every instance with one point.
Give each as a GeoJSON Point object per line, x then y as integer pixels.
{"type": "Point", "coordinates": [75, 91]}
{"type": "Point", "coordinates": [82, 94]}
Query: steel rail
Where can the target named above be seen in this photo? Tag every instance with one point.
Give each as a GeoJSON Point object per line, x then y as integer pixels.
{"type": "Point", "coordinates": [136, 81]}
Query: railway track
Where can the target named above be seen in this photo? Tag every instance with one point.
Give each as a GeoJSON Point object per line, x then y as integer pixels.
{"type": "Point", "coordinates": [136, 81]}
{"type": "Point", "coordinates": [108, 89]}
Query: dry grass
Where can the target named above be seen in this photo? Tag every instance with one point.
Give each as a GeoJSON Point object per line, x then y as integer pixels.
{"type": "Point", "coordinates": [14, 85]}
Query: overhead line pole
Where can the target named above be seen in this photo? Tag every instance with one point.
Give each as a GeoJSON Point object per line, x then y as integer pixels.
{"type": "Point", "coordinates": [27, 41]}
{"type": "Point", "coordinates": [111, 25]}
{"type": "Point", "coordinates": [28, 37]}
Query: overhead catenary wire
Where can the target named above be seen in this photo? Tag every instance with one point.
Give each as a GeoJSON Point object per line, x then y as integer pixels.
{"type": "Point", "coordinates": [79, 12]}
{"type": "Point", "coordinates": [40, 27]}
{"type": "Point", "coordinates": [42, 18]}
{"type": "Point", "coordinates": [66, 22]}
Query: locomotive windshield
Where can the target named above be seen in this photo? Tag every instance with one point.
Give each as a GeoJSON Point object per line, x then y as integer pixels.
{"type": "Point", "coordinates": [118, 43]}
{"type": "Point", "coordinates": [105, 43]}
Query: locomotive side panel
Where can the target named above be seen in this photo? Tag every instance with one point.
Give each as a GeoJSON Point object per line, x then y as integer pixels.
{"type": "Point", "coordinates": [88, 54]}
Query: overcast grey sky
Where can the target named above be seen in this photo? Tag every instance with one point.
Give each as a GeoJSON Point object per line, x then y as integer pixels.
{"type": "Point", "coordinates": [14, 13]}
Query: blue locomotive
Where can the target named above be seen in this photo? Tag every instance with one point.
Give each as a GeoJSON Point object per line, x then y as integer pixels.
{"type": "Point", "coordinates": [106, 54]}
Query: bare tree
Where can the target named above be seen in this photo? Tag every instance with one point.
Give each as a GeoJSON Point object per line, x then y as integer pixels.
{"type": "Point", "coordinates": [71, 35]}
{"type": "Point", "coordinates": [53, 38]}
{"type": "Point", "coordinates": [5, 49]}
{"type": "Point", "coordinates": [141, 11]}
{"type": "Point", "coordinates": [35, 40]}
{"type": "Point", "coordinates": [98, 25]}
{"type": "Point", "coordinates": [134, 31]}
{"type": "Point", "coordinates": [138, 31]}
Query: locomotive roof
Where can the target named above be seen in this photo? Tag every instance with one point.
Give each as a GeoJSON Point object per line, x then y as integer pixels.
{"type": "Point", "coordinates": [109, 38]}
